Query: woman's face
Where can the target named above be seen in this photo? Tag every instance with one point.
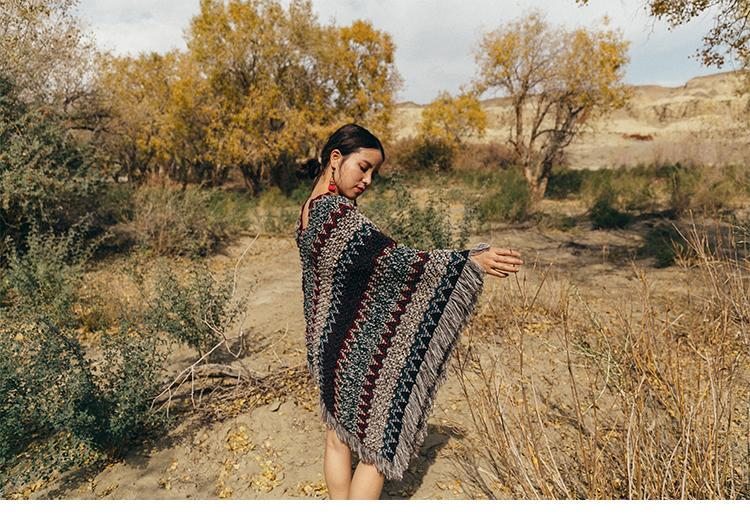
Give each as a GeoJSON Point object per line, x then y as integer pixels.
{"type": "Point", "coordinates": [354, 173]}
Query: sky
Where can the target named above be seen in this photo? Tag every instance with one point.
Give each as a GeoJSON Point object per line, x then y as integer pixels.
{"type": "Point", "coordinates": [434, 39]}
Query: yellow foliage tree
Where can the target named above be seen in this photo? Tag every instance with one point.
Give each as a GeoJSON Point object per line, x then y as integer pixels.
{"type": "Point", "coordinates": [259, 86]}
{"type": "Point", "coordinates": [186, 127]}
{"type": "Point", "coordinates": [557, 82]}
{"type": "Point", "coordinates": [137, 92]}
{"type": "Point", "coordinates": [360, 60]}
{"type": "Point", "coordinates": [453, 119]}
{"type": "Point", "coordinates": [249, 52]}
{"type": "Point", "coordinates": [282, 81]}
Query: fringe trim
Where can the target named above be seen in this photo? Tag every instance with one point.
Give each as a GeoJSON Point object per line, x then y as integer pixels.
{"type": "Point", "coordinates": [365, 453]}
{"type": "Point", "coordinates": [433, 371]}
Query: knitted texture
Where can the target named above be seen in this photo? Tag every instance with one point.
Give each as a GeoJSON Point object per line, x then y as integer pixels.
{"type": "Point", "coordinates": [382, 321]}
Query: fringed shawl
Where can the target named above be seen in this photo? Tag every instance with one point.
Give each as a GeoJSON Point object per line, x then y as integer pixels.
{"type": "Point", "coordinates": [382, 321]}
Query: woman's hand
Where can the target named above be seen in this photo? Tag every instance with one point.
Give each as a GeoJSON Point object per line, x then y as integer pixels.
{"type": "Point", "coordinates": [498, 262]}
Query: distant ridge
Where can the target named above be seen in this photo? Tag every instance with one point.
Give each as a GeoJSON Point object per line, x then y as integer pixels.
{"type": "Point", "coordinates": [651, 87]}
{"type": "Point", "coordinates": [703, 120]}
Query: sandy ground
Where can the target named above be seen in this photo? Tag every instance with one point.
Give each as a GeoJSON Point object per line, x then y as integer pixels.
{"type": "Point", "coordinates": [274, 448]}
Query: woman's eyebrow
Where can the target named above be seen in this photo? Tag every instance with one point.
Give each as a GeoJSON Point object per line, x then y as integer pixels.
{"type": "Point", "coordinates": [368, 163]}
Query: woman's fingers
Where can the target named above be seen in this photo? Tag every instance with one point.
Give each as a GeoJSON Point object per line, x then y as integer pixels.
{"type": "Point", "coordinates": [496, 273]}
{"type": "Point", "coordinates": [507, 251]}
{"type": "Point", "coordinates": [505, 263]}
{"type": "Point", "coordinates": [508, 256]}
{"type": "Point", "coordinates": [510, 268]}
{"type": "Point", "coordinates": [502, 262]}
{"type": "Point", "coordinates": [509, 260]}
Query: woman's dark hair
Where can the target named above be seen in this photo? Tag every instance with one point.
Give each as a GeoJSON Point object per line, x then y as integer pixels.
{"type": "Point", "coordinates": [348, 139]}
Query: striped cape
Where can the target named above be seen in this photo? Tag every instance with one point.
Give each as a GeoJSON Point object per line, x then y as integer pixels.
{"type": "Point", "coordinates": [382, 321]}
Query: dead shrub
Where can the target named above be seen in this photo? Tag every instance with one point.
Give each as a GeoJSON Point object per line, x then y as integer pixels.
{"type": "Point", "coordinates": [648, 400]}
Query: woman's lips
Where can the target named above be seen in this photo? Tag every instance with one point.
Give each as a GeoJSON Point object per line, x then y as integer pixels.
{"type": "Point", "coordinates": [360, 189]}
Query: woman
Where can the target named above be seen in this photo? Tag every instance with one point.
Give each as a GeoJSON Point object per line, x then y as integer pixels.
{"type": "Point", "coordinates": [382, 319]}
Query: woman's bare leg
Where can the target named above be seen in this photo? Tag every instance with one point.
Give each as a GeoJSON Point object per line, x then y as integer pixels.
{"type": "Point", "coordinates": [337, 466]}
{"type": "Point", "coordinates": [367, 482]}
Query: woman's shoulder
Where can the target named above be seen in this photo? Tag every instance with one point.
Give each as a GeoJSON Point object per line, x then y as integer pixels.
{"type": "Point", "coordinates": [330, 200]}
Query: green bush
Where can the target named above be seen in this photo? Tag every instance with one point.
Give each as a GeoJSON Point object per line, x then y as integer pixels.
{"type": "Point", "coordinates": [565, 183]}
{"type": "Point", "coordinates": [624, 189]}
{"type": "Point", "coordinates": [705, 189]}
{"type": "Point", "coordinates": [64, 403]}
{"type": "Point", "coordinates": [715, 196]}
{"type": "Point", "coordinates": [490, 156]}
{"type": "Point", "coordinates": [604, 215]}
{"type": "Point", "coordinates": [419, 153]}
{"type": "Point", "coordinates": [196, 310]}
{"type": "Point", "coordinates": [274, 213]}
{"type": "Point", "coordinates": [509, 201]}
{"type": "Point", "coordinates": [50, 389]}
{"type": "Point", "coordinates": [45, 278]}
{"type": "Point", "coordinates": [663, 242]}
{"type": "Point", "coordinates": [131, 374]}
{"type": "Point", "coordinates": [554, 220]}
{"type": "Point", "coordinates": [47, 179]}
{"type": "Point", "coordinates": [48, 386]}
{"type": "Point", "coordinates": [682, 185]}
{"type": "Point", "coordinates": [397, 213]}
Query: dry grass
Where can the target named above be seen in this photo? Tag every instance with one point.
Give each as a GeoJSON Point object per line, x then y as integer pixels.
{"type": "Point", "coordinates": [652, 402]}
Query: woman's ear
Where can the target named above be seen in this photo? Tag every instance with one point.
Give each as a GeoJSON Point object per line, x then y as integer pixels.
{"type": "Point", "coordinates": [335, 158]}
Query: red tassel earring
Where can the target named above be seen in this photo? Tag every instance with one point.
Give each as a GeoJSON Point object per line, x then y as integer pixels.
{"type": "Point", "coordinates": [332, 184]}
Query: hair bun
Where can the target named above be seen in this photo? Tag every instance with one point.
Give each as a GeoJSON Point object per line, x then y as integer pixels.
{"type": "Point", "coordinates": [310, 168]}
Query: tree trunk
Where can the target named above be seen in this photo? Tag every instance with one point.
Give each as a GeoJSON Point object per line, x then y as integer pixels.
{"type": "Point", "coordinates": [537, 176]}
{"type": "Point", "coordinates": [249, 174]}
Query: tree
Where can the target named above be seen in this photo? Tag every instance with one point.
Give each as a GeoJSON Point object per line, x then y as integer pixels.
{"type": "Point", "coordinates": [557, 82]}
{"type": "Point", "coordinates": [361, 65]}
{"type": "Point", "coordinates": [186, 143]}
{"type": "Point", "coordinates": [137, 92]}
{"type": "Point", "coordinates": [46, 53]}
{"type": "Point", "coordinates": [162, 111]}
{"type": "Point", "coordinates": [281, 82]}
{"type": "Point", "coordinates": [453, 119]}
{"type": "Point", "coordinates": [258, 85]}
{"type": "Point", "coordinates": [731, 28]}
{"type": "Point", "coordinates": [730, 35]}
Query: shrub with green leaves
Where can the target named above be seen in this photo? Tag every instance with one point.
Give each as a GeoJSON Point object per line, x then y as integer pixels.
{"type": "Point", "coordinates": [604, 215]}
{"type": "Point", "coordinates": [196, 310]}
{"type": "Point", "coordinates": [682, 184]}
{"type": "Point", "coordinates": [44, 278]}
{"type": "Point", "coordinates": [426, 153]}
{"type": "Point", "coordinates": [274, 213]}
{"type": "Point", "coordinates": [131, 375]}
{"type": "Point", "coordinates": [510, 201]}
{"type": "Point", "coordinates": [664, 243]}
{"type": "Point", "coordinates": [624, 189]}
{"type": "Point", "coordinates": [565, 183]}
{"type": "Point", "coordinates": [47, 178]}
{"type": "Point", "coordinates": [397, 212]}
{"type": "Point", "coordinates": [50, 388]}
